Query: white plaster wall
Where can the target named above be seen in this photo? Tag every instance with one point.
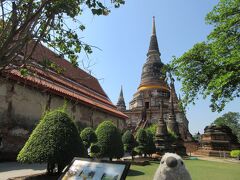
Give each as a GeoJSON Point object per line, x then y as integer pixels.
{"type": "Point", "coordinates": [57, 102]}
{"type": "Point", "coordinates": [3, 104]}
{"type": "Point", "coordinates": [28, 105]}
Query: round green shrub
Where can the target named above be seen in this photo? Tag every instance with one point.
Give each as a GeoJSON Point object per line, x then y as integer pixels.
{"type": "Point", "coordinates": [86, 144]}
{"type": "Point", "coordinates": [142, 137]}
{"type": "Point", "coordinates": [235, 153]}
{"type": "Point", "coordinates": [88, 136]}
{"type": "Point", "coordinates": [128, 141]}
{"type": "Point", "coordinates": [142, 140]}
{"type": "Point", "coordinates": [109, 138]}
{"type": "Point", "coordinates": [55, 140]}
{"type": "Point", "coordinates": [151, 148]}
{"type": "Point", "coordinates": [95, 150]}
{"type": "Point", "coordinates": [140, 150]}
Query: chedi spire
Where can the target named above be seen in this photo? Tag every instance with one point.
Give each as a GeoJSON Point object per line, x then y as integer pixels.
{"type": "Point", "coordinates": [152, 72]}
{"type": "Point", "coordinates": [153, 47]}
{"type": "Point", "coordinates": [172, 122]}
{"type": "Point", "coordinates": [121, 102]}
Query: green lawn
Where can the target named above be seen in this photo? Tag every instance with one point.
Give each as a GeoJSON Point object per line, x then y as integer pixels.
{"type": "Point", "coordinates": [199, 170]}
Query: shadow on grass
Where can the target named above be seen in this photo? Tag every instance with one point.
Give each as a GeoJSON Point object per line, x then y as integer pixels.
{"type": "Point", "coordinates": [155, 162]}
{"type": "Point", "coordinates": [135, 173]}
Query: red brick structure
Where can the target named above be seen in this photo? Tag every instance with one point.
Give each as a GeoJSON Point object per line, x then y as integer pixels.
{"type": "Point", "coordinates": [217, 141]}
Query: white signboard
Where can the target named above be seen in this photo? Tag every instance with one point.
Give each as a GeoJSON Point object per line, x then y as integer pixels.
{"type": "Point", "coordinates": [87, 169]}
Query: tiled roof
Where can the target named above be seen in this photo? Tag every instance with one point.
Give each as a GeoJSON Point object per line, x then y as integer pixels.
{"type": "Point", "coordinates": [73, 83]}
{"type": "Point", "coordinates": [71, 72]}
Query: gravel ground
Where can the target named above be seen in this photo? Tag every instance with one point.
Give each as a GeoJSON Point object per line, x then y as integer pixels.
{"type": "Point", "coordinates": [14, 169]}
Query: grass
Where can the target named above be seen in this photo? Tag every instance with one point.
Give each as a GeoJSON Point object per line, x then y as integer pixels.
{"type": "Point", "coordinates": [199, 170]}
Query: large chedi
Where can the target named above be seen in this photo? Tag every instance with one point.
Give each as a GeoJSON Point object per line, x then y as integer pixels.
{"type": "Point", "coordinates": [144, 109]}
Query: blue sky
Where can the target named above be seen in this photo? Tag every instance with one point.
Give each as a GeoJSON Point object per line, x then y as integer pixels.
{"type": "Point", "coordinates": [123, 37]}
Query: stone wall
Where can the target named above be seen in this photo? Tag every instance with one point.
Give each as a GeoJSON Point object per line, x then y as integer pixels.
{"type": "Point", "coordinates": [191, 146]}
{"type": "Point", "coordinates": [135, 117]}
{"type": "Point", "coordinates": [21, 108]}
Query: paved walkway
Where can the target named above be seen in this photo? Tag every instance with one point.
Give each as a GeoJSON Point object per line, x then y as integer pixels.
{"type": "Point", "coordinates": [14, 169]}
{"type": "Point", "coordinates": [217, 159]}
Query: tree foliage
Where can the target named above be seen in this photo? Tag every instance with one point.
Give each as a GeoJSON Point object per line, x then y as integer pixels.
{"type": "Point", "coordinates": [235, 153]}
{"type": "Point", "coordinates": [145, 140]}
{"type": "Point", "coordinates": [88, 136]}
{"type": "Point", "coordinates": [141, 136]}
{"type": "Point", "coordinates": [232, 120]}
{"type": "Point", "coordinates": [109, 140]}
{"type": "Point", "coordinates": [212, 68]}
{"type": "Point", "coordinates": [25, 23]}
{"type": "Point", "coordinates": [151, 148]}
{"type": "Point", "coordinates": [172, 135]}
{"type": "Point", "coordinates": [128, 142]}
{"type": "Point", "coordinates": [55, 140]}
{"type": "Point", "coordinates": [95, 150]}
{"type": "Point", "coordinates": [152, 128]}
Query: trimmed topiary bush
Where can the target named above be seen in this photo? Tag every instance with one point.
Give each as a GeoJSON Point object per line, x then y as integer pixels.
{"type": "Point", "coordinates": [235, 154]}
{"type": "Point", "coordinates": [88, 137]}
{"type": "Point", "coordinates": [95, 150]}
{"type": "Point", "coordinates": [109, 139]}
{"type": "Point", "coordinates": [151, 148]}
{"type": "Point", "coordinates": [142, 140]}
{"type": "Point", "coordinates": [128, 142]}
{"type": "Point", "coordinates": [145, 142]}
{"type": "Point", "coordinates": [55, 140]}
{"type": "Point", "coordinates": [128, 139]}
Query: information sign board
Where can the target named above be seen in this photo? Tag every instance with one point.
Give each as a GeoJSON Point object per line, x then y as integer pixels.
{"type": "Point", "coordinates": [88, 169]}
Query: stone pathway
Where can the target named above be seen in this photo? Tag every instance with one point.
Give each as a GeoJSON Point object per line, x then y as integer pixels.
{"type": "Point", "coordinates": [226, 160]}
{"type": "Point", "coordinates": [14, 169]}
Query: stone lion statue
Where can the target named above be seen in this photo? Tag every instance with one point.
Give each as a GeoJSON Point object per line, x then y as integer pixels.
{"type": "Point", "coordinates": [172, 168]}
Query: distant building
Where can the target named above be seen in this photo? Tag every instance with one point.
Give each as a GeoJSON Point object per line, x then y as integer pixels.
{"type": "Point", "coordinates": [217, 141]}
{"type": "Point", "coordinates": [24, 99]}
{"type": "Point", "coordinates": [154, 89]}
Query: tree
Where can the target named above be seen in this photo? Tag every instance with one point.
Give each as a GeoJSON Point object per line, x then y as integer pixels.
{"type": "Point", "coordinates": [109, 140]}
{"type": "Point", "coordinates": [212, 68]}
{"type": "Point", "coordinates": [55, 140]}
{"type": "Point", "coordinates": [152, 128]}
{"type": "Point", "coordinates": [151, 148]}
{"type": "Point", "coordinates": [25, 23]}
{"type": "Point", "coordinates": [88, 137]}
{"type": "Point", "coordinates": [232, 120]}
{"type": "Point", "coordinates": [129, 142]}
{"type": "Point", "coordinates": [142, 140]}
